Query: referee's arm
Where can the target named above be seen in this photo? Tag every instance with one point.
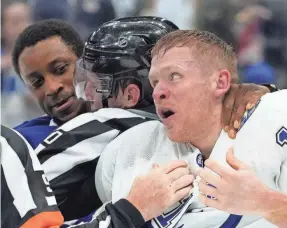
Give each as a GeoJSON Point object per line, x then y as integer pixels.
{"type": "Point", "coordinates": [27, 200]}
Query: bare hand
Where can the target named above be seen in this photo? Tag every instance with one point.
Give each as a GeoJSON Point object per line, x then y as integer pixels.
{"type": "Point", "coordinates": [161, 188]}
{"type": "Point", "coordinates": [240, 97]}
{"type": "Point", "coordinates": [237, 189]}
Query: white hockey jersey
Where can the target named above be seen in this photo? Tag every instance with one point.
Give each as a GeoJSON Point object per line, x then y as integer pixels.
{"type": "Point", "coordinates": [260, 143]}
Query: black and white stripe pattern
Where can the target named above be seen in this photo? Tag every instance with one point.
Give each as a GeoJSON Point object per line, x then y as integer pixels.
{"type": "Point", "coordinates": [25, 192]}
{"type": "Point", "coordinates": [24, 189]}
{"type": "Point", "coordinates": [70, 154]}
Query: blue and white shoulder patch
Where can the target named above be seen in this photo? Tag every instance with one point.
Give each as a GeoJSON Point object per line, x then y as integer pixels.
{"type": "Point", "coordinates": [281, 137]}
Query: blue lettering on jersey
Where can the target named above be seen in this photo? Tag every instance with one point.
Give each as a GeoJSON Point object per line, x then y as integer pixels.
{"type": "Point", "coordinates": [165, 220]}
{"type": "Point", "coordinates": [247, 114]}
{"type": "Point", "coordinates": [281, 136]}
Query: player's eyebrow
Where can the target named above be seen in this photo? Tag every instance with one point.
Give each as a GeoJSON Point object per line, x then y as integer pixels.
{"type": "Point", "coordinates": [55, 61]}
{"type": "Point", "coordinates": [34, 74]}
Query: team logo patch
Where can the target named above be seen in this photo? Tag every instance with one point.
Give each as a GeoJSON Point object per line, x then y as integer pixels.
{"type": "Point", "coordinates": [248, 114]}
{"type": "Point", "coordinates": [199, 160]}
{"type": "Point", "coordinates": [281, 137]}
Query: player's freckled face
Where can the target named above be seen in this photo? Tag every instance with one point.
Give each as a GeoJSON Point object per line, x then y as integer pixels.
{"type": "Point", "coordinates": [47, 68]}
{"type": "Point", "coordinates": [181, 93]}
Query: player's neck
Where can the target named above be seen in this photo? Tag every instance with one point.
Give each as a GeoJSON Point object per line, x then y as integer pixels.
{"type": "Point", "coordinates": [209, 134]}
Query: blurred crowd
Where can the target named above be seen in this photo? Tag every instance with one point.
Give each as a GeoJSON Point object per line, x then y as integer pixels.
{"type": "Point", "coordinates": [257, 29]}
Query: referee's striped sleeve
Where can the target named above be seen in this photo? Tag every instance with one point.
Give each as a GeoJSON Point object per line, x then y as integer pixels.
{"type": "Point", "coordinates": [29, 200]}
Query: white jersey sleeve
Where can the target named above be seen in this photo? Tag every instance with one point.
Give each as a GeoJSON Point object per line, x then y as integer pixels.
{"type": "Point", "coordinates": [262, 140]}
{"type": "Point", "coordinates": [105, 172]}
{"type": "Point", "coordinates": [282, 181]}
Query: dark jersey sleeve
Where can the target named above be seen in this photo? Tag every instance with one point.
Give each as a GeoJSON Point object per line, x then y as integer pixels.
{"type": "Point", "coordinates": [27, 200]}
{"type": "Point", "coordinates": [121, 214]}
{"type": "Point", "coordinates": [26, 197]}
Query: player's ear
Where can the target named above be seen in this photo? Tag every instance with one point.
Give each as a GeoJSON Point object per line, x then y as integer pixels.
{"type": "Point", "coordinates": [223, 81]}
{"type": "Point", "coordinates": [131, 96]}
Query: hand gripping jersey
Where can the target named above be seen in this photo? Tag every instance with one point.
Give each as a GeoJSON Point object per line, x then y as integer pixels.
{"type": "Point", "coordinates": [27, 200]}
{"type": "Point", "coordinates": [70, 154]}
{"type": "Point", "coordinates": [261, 143]}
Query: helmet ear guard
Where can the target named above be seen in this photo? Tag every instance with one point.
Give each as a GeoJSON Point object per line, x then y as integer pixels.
{"type": "Point", "coordinates": [120, 50]}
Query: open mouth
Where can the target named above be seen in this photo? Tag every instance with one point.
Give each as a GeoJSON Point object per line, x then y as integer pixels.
{"type": "Point", "coordinates": [165, 113]}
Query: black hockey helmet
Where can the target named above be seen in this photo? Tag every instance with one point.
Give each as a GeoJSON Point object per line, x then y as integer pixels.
{"type": "Point", "coordinates": [120, 49]}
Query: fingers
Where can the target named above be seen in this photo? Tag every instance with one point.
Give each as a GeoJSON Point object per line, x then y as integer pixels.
{"type": "Point", "coordinates": [237, 115]}
{"type": "Point", "coordinates": [182, 182]}
{"type": "Point", "coordinates": [207, 190]}
{"type": "Point", "coordinates": [209, 202]}
{"type": "Point", "coordinates": [228, 105]}
{"type": "Point", "coordinates": [181, 193]}
{"type": "Point", "coordinates": [220, 169]}
{"type": "Point", "coordinates": [252, 97]}
{"type": "Point", "coordinates": [177, 173]}
{"type": "Point", "coordinates": [250, 105]}
{"type": "Point", "coordinates": [234, 162]}
{"type": "Point", "coordinates": [231, 160]}
{"type": "Point", "coordinates": [239, 108]}
{"type": "Point", "coordinates": [174, 165]}
{"type": "Point", "coordinates": [239, 99]}
{"type": "Point", "coordinates": [210, 177]}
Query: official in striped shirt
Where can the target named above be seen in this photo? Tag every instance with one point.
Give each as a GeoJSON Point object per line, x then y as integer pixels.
{"type": "Point", "coordinates": [26, 197]}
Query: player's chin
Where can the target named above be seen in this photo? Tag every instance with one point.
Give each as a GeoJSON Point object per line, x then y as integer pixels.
{"type": "Point", "coordinates": [175, 135]}
{"type": "Point", "coordinates": [66, 117]}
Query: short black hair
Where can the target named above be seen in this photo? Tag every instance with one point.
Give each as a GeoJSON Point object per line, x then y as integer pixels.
{"type": "Point", "coordinates": [43, 30]}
